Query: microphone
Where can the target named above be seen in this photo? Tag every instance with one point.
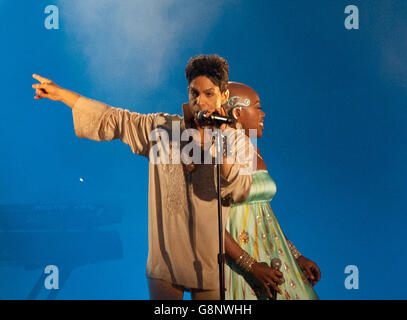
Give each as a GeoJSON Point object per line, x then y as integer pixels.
{"type": "Point", "coordinates": [213, 118]}
{"type": "Point", "coordinates": [275, 264]}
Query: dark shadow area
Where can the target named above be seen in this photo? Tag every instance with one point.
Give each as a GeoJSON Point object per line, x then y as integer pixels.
{"type": "Point", "coordinates": [34, 236]}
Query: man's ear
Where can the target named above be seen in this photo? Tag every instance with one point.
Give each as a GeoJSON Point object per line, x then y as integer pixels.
{"type": "Point", "coordinates": [225, 96]}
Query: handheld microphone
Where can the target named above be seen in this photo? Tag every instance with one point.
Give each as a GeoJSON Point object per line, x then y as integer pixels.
{"type": "Point", "coordinates": [213, 118]}
{"type": "Point", "coordinates": [276, 264]}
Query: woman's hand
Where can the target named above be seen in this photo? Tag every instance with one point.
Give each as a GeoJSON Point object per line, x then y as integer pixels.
{"type": "Point", "coordinates": [309, 269]}
{"type": "Point", "coordinates": [46, 89]}
{"type": "Point", "coordinates": [268, 277]}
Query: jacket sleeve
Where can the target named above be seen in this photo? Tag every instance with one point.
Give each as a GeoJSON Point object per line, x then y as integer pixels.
{"type": "Point", "coordinates": [235, 188]}
{"type": "Point", "coordinates": [100, 122]}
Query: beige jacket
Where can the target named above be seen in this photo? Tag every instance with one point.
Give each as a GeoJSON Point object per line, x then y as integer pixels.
{"type": "Point", "coordinates": [183, 218]}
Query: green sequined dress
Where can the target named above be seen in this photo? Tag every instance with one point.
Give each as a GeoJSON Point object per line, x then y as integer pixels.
{"type": "Point", "coordinates": [253, 225]}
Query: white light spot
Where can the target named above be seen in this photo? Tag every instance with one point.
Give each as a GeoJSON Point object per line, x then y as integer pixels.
{"type": "Point", "coordinates": [80, 179]}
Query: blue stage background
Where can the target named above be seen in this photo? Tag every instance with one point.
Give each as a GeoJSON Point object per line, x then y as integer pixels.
{"type": "Point", "coordinates": [335, 135]}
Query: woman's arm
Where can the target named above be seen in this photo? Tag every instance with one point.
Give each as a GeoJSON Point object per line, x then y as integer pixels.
{"type": "Point", "coordinates": [308, 267]}
{"type": "Point", "coordinates": [262, 272]}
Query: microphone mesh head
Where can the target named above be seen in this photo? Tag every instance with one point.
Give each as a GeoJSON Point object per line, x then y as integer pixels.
{"type": "Point", "coordinates": [201, 116]}
{"type": "Point", "coordinates": [275, 263]}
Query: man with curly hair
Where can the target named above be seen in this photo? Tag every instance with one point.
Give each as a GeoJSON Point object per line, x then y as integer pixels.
{"type": "Point", "coordinates": [183, 221]}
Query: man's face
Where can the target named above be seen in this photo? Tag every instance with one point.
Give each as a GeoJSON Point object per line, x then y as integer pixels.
{"type": "Point", "coordinates": [204, 95]}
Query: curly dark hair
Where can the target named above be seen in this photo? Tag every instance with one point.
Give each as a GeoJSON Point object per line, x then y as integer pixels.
{"type": "Point", "coordinates": [212, 66]}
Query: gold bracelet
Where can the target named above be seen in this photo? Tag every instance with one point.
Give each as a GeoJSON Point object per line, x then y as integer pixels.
{"type": "Point", "coordinates": [294, 250]}
{"type": "Point", "coordinates": [245, 261]}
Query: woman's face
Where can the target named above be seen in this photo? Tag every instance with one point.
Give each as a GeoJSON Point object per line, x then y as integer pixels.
{"type": "Point", "coordinates": [205, 95]}
{"type": "Point", "coordinates": [251, 117]}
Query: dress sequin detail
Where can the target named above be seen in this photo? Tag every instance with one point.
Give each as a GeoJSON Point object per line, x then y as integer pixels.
{"type": "Point", "coordinates": [244, 237]}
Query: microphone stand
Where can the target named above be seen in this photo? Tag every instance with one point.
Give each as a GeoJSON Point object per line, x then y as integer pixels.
{"type": "Point", "coordinates": [221, 260]}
